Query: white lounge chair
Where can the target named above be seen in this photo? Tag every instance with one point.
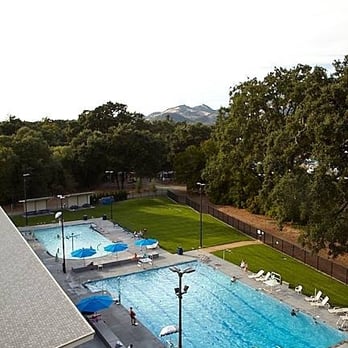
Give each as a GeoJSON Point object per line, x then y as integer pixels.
{"type": "Point", "coordinates": [272, 282]}
{"type": "Point", "coordinates": [256, 275]}
{"type": "Point", "coordinates": [153, 246]}
{"type": "Point", "coordinates": [338, 310]}
{"type": "Point", "coordinates": [315, 298]}
{"type": "Point", "coordinates": [323, 303]}
{"type": "Point", "coordinates": [298, 289]}
{"type": "Point", "coordinates": [342, 322]}
{"type": "Point", "coordinates": [264, 278]}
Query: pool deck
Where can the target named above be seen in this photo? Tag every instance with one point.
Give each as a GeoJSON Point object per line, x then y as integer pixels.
{"type": "Point", "coordinates": [115, 322]}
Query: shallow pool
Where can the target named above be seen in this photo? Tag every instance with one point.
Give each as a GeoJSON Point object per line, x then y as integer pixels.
{"type": "Point", "coordinates": [76, 237]}
{"type": "Point", "coordinates": [216, 312]}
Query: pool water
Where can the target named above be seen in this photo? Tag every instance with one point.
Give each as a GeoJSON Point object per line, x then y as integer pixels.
{"type": "Point", "coordinates": [76, 237]}
{"type": "Point", "coordinates": [216, 312]}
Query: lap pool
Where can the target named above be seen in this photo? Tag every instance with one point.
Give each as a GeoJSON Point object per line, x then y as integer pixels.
{"type": "Point", "coordinates": [216, 312]}
{"type": "Point", "coordinates": [76, 237]}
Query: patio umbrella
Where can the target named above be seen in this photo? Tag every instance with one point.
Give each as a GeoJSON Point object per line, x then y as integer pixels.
{"type": "Point", "coordinates": [145, 242]}
{"type": "Point", "coordinates": [116, 247]}
{"type": "Point", "coordinates": [168, 330]}
{"type": "Point", "coordinates": [83, 253]}
{"type": "Point", "coordinates": [94, 303]}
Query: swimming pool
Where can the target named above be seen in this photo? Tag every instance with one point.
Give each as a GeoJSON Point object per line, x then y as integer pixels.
{"type": "Point", "coordinates": [216, 312]}
{"type": "Point", "coordinates": [77, 236]}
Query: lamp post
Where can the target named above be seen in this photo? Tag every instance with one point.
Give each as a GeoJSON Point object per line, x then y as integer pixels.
{"type": "Point", "coordinates": [201, 186]}
{"type": "Point", "coordinates": [261, 235]}
{"type": "Point", "coordinates": [110, 172]}
{"type": "Point", "coordinates": [25, 175]}
{"type": "Point", "coordinates": [59, 215]}
{"type": "Point", "coordinates": [179, 292]}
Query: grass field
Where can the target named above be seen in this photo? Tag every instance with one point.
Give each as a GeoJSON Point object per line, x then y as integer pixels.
{"type": "Point", "coordinates": [174, 224]}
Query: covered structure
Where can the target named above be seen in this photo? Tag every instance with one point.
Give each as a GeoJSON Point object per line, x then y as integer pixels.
{"type": "Point", "coordinates": [35, 311]}
{"type": "Point", "coordinates": [77, 199]}
{"type": "Point", "coordinates": [43, 205]}
{"type": "Point", "coordinates": [36, 205]}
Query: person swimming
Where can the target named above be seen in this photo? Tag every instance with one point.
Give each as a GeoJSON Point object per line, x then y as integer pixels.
{"type": "Point", "coordinates": [294, 312]}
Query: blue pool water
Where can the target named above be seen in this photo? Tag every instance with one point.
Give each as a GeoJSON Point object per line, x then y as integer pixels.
{"type": "Point", "coordinates": [76, 237]}
{"type": "Point", "coordinates": [216, 312]}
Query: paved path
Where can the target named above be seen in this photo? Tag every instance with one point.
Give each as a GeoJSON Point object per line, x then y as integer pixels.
{"type": "Point", "coordinates": [230, 246]}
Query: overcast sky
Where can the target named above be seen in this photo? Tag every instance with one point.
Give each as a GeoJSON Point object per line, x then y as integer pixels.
{"type": "Point", "coordinates": [59, 58]}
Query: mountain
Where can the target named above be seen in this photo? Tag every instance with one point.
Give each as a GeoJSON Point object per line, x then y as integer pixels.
{"type": "Point", "coordinates": [183, 113]}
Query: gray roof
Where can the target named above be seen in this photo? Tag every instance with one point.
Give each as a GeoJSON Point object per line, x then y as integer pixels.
{"type": "Point", "coordinates": [34, 310]}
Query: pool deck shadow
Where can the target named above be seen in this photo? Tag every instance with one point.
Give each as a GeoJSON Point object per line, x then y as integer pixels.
{"type": "Point", "coordinates": [116, 322]}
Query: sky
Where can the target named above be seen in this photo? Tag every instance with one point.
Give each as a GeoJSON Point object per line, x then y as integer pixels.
{"type": "Point", "coordinates": [59, 58]}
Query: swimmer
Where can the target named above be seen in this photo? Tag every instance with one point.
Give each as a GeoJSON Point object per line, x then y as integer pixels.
{"type": "Point", "coordinates": [233, 279]}
{"type": "Point", "coordinates": [293, 312]}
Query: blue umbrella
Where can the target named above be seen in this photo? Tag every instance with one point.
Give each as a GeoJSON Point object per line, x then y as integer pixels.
{"type": "Point", "coordinates": [116, 247]}
{"type": "Point", "coordinates": [83, 252]}
{"type": "Point", "coordinates": [145, 242]}
{"type": "Point", "coordinates": [95, 303]}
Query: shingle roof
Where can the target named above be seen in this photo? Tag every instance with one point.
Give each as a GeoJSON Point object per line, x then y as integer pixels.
{"type": "Point", "coordinates": [34, 310]}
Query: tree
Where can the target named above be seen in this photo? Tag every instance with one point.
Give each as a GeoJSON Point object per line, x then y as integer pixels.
{"type": "Point", "coordinates": [107, 116]}
{"type": "Point", "coordinates": [34, 157]}
{"type": "Point", "coordinates": [188, 165]}
{"type": "Point", "coordinates": [11, 125]}
{"type": "Point", "coordinates": [8, 161]}
{"type": "Point", "coordinates": [88, 157]}
{"type": "Point", "coordinates": [133, 150]}
{"type": "Point", "coordinates": [328, 120]}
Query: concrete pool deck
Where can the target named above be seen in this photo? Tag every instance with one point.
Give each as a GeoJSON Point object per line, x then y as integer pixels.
{"type": "Point", "coordinates": [115, 321]}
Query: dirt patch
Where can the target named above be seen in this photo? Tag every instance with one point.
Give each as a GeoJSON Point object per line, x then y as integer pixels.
{"type": "Point", "coordinates": [288, 233]}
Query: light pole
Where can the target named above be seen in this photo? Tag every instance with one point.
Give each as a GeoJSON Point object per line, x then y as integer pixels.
{"type": "Point", "coordinates": [25, 175]}
{"type": "Point", "coordinates": [201, 186]}
{"type": "Point", "coordinates": [59, 215]}
{"type": "Point", "coordinates": [110, 172]}
{"type": "Point", "coordinates": [179, 292]}
{"type": "Point", "coordinates": [119, 290]}
{"type": "Point", "coordinates": [261, 235]}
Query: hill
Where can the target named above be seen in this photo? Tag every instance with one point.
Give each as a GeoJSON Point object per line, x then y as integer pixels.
{"type": "Point", "coordinates": [183, 113]}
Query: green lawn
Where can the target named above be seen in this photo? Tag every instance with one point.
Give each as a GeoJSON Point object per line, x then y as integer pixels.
{"type": "Point", "coordinates": [173, 224]}
{"type": "Point", "coordinates": [264, 257]}
{"type": "Point", "coordinates": [178, 225]}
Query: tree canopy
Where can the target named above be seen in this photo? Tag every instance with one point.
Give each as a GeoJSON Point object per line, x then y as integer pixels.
{"type": "Point", "coordinates": [282, 151]}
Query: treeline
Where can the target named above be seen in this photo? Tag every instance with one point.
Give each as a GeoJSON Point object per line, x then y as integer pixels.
{"type": "Point", "coordinates": [74, 155]}
{"type": "Point", "coordinates": [280, 148]}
